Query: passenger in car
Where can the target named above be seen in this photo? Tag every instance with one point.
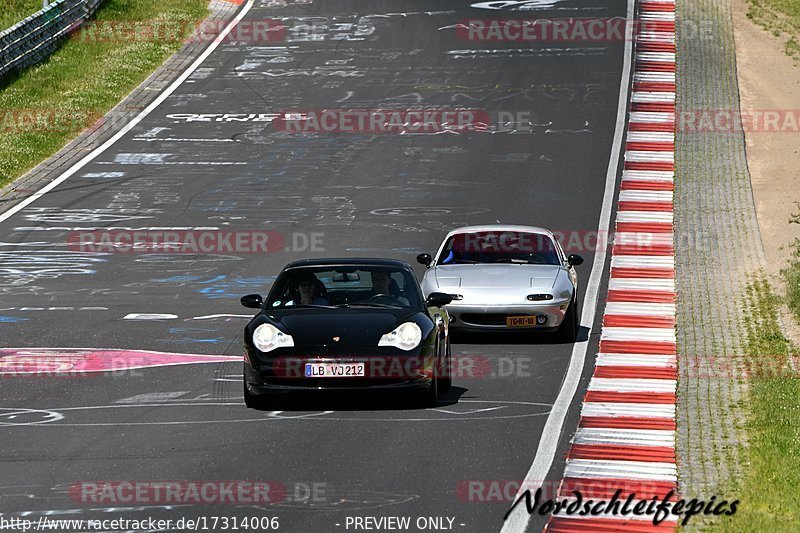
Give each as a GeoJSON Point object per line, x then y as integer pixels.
{"type": "Point", "coordinates": [308, 291]}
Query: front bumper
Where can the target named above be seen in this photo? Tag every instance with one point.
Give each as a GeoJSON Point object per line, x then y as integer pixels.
{"type": "Point", "coordinates": [466, 317]}
{"type": "Point", "coordinates": [286, 373]}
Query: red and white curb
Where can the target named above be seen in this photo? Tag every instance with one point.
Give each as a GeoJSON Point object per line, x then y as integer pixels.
{"type": "Point", "coordinates": [626, 434]}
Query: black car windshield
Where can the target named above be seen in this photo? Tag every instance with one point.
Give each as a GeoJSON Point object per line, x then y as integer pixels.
{"type": "Point", "coordinates": [499, 247]}
{"type": "Point", "coordinates": [345, 286]}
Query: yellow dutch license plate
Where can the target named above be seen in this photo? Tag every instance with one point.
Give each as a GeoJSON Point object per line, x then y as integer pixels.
{"type": "Point", "coordinates": [520, 321]}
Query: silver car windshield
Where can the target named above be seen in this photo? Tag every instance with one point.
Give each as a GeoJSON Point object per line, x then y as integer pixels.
{"type": "Point", "coordinates": [499, 247]}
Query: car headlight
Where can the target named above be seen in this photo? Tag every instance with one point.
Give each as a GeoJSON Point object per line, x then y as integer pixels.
{"type": "Point", "coordinates": [267, 337]}
{"type": "Point", "coordinates": [407, 336]}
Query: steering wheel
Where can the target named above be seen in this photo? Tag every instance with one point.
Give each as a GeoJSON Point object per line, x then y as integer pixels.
{"type": "Point", "coordinates": [382, 298]}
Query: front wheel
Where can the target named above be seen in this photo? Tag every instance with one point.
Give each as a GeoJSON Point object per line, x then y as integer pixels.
{"type": "Point", "coordinates": [430, 396]}
{"type": "Point", "coordinates": [446, 382]}
{"type": "Point", "coordinates": [568, 331]}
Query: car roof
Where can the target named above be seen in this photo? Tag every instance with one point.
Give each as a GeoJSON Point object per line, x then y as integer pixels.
{"type": "Point", "coordinates": [499, 227]}
{"type": "Point", "coordinates": [338, 261]}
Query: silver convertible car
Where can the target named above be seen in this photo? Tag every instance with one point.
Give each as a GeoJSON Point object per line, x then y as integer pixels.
{"type": "Point", "coordinates": [505, 278]}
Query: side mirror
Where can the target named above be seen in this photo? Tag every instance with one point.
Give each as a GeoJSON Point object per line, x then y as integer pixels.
{"type": "Point", "coordinates": [574, 260]}
{"type": "Point", "coordinates": [424, 259]}
{"type": "Point", "coordinates": [438, 299]}
{"type": "Point", "coordinates": [253, 301]}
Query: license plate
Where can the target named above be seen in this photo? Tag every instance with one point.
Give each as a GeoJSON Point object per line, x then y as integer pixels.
{"type": "Point", "coordinates": [520, 321]}
{"type": "Point", "coordinates": [334, 370]}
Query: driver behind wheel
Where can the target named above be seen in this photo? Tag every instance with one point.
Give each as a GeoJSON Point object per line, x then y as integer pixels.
{"type": "Point", "coordinates": [384, 285]}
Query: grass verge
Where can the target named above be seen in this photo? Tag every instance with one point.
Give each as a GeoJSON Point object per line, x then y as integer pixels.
{"type": "Point", "coordinates": [769, 499]}
{"type": "Point", "coordinates": [15, 10]}
{"type": "Point", "coordinates": [781, 18]}
{"type": "Point", "coordinates": [791, 274]}
{"type": "Point", "coordinates": [45, 107]}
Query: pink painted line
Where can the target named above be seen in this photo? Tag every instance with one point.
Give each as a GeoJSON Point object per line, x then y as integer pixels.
{"type": "Point", "coordinates": [30, 361]}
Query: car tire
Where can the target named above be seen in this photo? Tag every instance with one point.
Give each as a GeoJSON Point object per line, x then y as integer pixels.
{"type": "Point", "coordinates": [568, 331]}
{"type": "Point", "coordinates": [446, 382]}
{"type": "Point", "coordinates": [430, 396]}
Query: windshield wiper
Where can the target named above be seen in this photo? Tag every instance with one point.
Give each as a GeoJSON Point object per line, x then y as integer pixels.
{"type": "Point", "coordinates": [372, 304]}
{"type": "Point", "coordinates": [465, 261]}
{"type": "Point", "coordinates": [517, 261]}
{"type": "Point", "coordinates": [310, 305]}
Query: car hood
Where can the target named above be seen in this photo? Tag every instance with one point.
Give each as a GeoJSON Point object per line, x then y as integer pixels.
{"type": "Point", "coordinates": [353, 327]}
{"type": "Point", "coordinates": [486, 276]}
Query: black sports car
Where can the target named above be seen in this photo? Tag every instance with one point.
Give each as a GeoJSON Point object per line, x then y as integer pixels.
{"type": "Point", "coordinates": [346, 324]}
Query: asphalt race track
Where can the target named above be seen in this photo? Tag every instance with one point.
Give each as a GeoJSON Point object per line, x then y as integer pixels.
{"type": "Point", "coordinates": [319, 195]}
